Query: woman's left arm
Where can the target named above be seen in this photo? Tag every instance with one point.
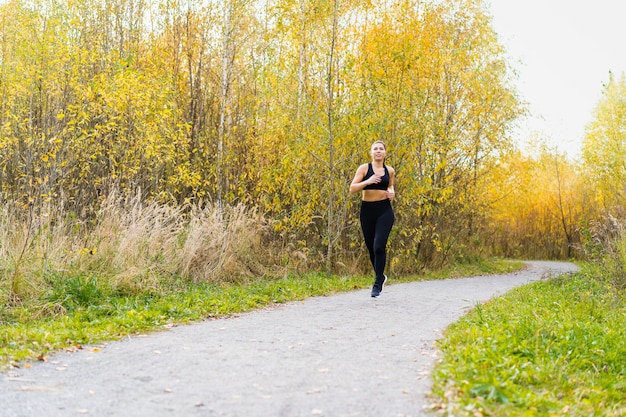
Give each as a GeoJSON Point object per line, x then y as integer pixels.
{"type": "Point", "coordinates": [391, 192]}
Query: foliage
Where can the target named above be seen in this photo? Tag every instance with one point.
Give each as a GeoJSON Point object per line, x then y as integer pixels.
{"type": "Point", "coordinates": [261, 104]}
{"type": "Point", "coordinates": [604, 148]}
{"type": "Point", "coordinates": [553, 347]}
{"type": "Point", "coordinates": [537, 207]}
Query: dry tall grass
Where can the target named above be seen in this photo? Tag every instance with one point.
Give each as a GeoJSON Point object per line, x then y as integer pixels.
{"type": "Point", "coordinates": [131, 246]}
{"type": "Point", "coordinates": [606, 246]}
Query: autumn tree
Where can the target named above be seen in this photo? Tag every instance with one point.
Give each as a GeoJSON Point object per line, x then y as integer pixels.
{"type": "Point", "coordinates": [270, 103]}
{"type": "Point", "coordinates": [604, 147]}
{"type": "Point", "coordinates": [536, 205]}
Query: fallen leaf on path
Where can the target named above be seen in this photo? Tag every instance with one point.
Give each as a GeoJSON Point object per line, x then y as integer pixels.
{"type": "Point", "coordinates": [73, 348]}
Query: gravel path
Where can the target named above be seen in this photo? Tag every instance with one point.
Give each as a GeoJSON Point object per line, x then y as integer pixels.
{"type": "Point", "coordinates": [344, 355]}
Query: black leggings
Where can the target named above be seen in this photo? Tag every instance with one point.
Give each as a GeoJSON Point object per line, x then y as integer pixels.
{"type": "Point", "coordinates": [376, 220]}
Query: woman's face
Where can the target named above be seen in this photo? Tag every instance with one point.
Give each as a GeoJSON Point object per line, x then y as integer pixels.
{"type": "Point", "coordinates": [378, 151]}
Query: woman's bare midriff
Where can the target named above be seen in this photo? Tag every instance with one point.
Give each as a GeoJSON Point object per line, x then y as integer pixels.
{"type": "Point", "coordinates": [374, 195]}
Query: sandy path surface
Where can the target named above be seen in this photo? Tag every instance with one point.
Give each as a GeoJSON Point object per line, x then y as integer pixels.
{"type": "Point", "coordinates": [344, 355]}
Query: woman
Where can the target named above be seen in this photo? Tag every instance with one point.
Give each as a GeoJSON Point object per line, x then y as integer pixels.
{"type": "Point", "coordinates": [375, 180]}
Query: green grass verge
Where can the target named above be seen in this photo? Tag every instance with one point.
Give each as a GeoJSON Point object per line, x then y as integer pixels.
{"type": "Point", "coordinates": [82, 311]}
{"type": "Point", "coordinates": [551, 348]}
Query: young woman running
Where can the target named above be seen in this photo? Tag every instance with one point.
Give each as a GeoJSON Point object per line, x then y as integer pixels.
{"type": "Point", "coordinates": [375, 180]}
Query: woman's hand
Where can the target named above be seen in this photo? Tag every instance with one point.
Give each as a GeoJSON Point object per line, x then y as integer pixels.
{"type": "Point", "coordinates": [374, 179]}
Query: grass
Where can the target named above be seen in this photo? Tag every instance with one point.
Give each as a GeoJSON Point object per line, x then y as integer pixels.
{"type": "Point", "coordinates": [81, 310]}
{"type": "Point", "coordinates": [551, 348]}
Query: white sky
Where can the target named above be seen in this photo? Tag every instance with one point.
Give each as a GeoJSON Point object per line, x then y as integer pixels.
{"type": "Point", "coordinates": [563, 51]}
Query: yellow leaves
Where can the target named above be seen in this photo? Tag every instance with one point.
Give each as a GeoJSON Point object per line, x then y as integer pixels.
{"type": "Point", "coordinates": [604, 145]}
{"type": "Point", "coordinates": [277, 226]}
{"type": "Point", "coordinates": [47, 156]}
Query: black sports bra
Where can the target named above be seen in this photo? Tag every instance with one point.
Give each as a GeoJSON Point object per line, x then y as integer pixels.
{"type": "Point", "coordinates": [384, 181]}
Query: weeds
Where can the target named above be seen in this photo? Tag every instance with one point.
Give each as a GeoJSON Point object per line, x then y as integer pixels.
{"type": "Point", "coordinates": [605, 245]}
{"type": "Point", "coordinates": [130, 246]}
{"type": "Point", "coordinates": [16, 257]}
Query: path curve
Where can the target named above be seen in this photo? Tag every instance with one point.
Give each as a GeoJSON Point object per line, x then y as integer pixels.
{"type": "Point", "coordinates": [343, 355]}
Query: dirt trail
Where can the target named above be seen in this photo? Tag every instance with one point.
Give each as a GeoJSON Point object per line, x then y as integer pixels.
{"type": "Point", "coordinates": [344, 355]}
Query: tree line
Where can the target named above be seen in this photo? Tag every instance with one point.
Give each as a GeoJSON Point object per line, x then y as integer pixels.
{"type": "Point", "coordinates": [273, 104]}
